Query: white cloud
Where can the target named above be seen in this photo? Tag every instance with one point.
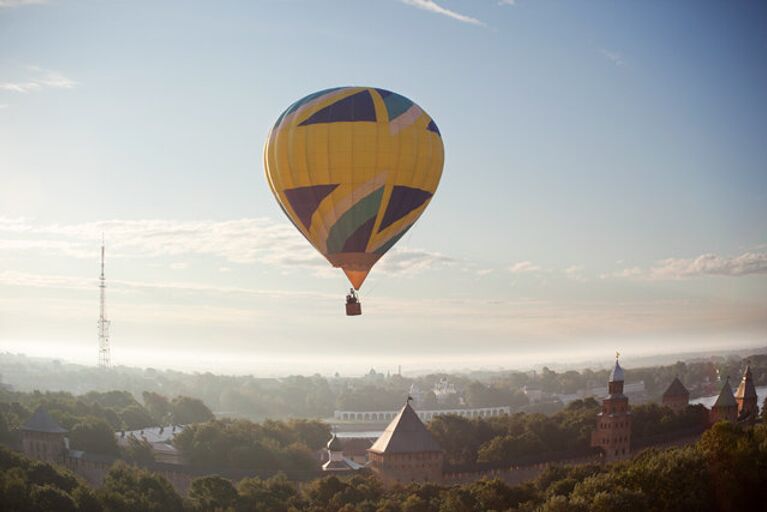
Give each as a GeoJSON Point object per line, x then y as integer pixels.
{"type": "Point", "coordinates": [243, 241]}
{"type": "Point", "coordinates": [40, 79]}
{"type": "Point", "coordinates": [236, 241]}
{"type": "Point", "coordinates": [749, 263]}
{"type": "Point", "coordinates": [411, 261]}
{"type": "Point", "coordinates": [711, 264]}
{"type": "Point", "coordinates": [524, 267]}
{"type": "Point", "coordinates": [507, 2]}
{"type": "Point", "coordinates": [432, 6]}
{"type": "Point", "coordinates": [614, 57]}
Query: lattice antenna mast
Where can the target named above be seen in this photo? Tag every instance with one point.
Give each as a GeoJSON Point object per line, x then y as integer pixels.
{"type": "Point", "coordinates": [105, 360]}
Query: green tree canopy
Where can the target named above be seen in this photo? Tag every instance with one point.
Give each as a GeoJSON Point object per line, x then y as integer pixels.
{"type": "Point", "coordinates": [186, 410]}
{"type": "Point", "coordinates": [129, 489]}
{"type": "Point", "coordinates": [93, 435]}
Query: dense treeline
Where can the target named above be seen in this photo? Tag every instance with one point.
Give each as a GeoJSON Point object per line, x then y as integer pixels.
{"type": "Point", "coordinates": [242, 444]}
{"type": "Point", "coordinates": [93, 418]}
{"type": "Point", "coordinates": [725, 471]}
{"type": "Point", "coordinates": [317, 397]}
{"type": "Point", "coordinates": [506, 439]}
{"type": "Point", "coordinates": [119, 409]}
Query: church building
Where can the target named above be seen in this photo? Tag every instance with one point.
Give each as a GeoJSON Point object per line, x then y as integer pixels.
{"type": "Point", "coordinates": [406, 451]}
{"type": "Point", "coordinates": [337, 461]}
{"type": "Point", "coordinates": [613, 432]}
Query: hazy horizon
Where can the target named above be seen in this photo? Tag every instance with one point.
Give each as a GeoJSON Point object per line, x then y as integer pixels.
{"type": "Point", "coordinates": [285, 365]}
{"type": "Point", "coordinates": [604, 187]}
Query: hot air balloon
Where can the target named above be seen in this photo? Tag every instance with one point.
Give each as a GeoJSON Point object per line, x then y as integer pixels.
{"type": "Point", "coordinates": [353, 168]}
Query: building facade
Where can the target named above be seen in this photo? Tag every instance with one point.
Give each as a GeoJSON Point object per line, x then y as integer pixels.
{"type": "Point", "coordinates": [613, 432]}
{"type": "Point", "coordinates": [406, 452]}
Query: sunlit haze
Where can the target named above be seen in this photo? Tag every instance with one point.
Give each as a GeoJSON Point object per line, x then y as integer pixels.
{"type": "Point", "coordinates": [604, 189]}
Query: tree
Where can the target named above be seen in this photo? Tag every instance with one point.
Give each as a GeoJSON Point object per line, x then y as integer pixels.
{"type": "Point", "coordinates": [129, 489]}
{"type": "Point", "coordinates": [135, 417]}
{"type": "Point", "coordinates": [228, 443]}
{"type": "Point", "coordinates": [415, 503]}
{"type": "Point", "coordinates": [211, 493]}
{"type": "Point", "coordinates": [158, 406]}
{"type": "Point", "coordinates": [458, 499]}
{"type": "Point", "coordinates": [186, 410]}
{"type": "Point", "coordinates": [93, 435]}
{"type": "Point", "coordinates": [460, 437]}
{"type": "Point", "coordinates": [5, 432]}
{"type": "Point", "coordinates": [312, 433]}
{"type": "Point", "coordinates": [273, 495]}
{"type": "Point", "coordinates": [34, 486]}
{"type": "Point", "coordinates": [48, 497]}
{"type": "Point", "coordinates": [138, 451]}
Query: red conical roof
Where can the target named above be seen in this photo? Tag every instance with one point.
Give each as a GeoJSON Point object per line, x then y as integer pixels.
{"type": "Point", "coordinates": [746, 389]}
{"type": "Point", "coordinates": [676, 388]}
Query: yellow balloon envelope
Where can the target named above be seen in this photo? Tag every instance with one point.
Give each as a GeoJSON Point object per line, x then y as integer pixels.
{"type": "Point", "coordinates": [353, 168]}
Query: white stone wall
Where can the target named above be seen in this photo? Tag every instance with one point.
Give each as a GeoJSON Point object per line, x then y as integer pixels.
{"type": "Point", "coordinates": [367, 416]}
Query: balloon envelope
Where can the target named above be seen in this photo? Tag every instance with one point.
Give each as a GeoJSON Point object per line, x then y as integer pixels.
{"type": "Point", "coordinates": [353, 168]}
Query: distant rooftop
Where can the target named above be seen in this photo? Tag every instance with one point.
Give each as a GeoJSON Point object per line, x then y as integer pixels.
{"type": "Point", "coordinates": [151, 434]}
{"type": "Point", "coordinates": [726, 398]}
{"type": "Point", "coordinates": [676, 388]}
{"type": "Point", "coordinates": [41, 421]}
{"type": "Point", "coordinates": [617, 374]}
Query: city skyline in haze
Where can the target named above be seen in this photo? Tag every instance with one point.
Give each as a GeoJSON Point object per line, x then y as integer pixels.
{"type": "Point", "coordinates": [604, 185]}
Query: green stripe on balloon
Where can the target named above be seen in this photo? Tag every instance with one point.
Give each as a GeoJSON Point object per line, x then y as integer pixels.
{"type": "Point", "coordinates": [354, 218]}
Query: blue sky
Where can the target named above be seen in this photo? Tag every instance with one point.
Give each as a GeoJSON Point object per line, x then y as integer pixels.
{"type": "Point", "coordinates": [605, 184]}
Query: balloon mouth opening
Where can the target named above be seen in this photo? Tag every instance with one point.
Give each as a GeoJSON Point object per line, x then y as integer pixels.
{"type": "Point", "coordinates": [356, 265]}
{"type": "Point", "coordinates": [356, 277]}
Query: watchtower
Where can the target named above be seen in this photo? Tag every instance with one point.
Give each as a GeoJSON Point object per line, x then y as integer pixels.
{"type": "Point", "coordinates": [613, 432]}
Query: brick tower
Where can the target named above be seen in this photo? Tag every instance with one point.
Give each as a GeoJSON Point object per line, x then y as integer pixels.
{"type": "Point", "coordinates": [42, 438]}
{"type": "Point", "coordinates": [613, 432]}
{"type": "Point", "coordinates": [406, 451]}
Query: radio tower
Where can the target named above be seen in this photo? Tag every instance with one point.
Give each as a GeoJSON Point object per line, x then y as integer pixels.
{"type": "Point", "coordinates": [105, 360]}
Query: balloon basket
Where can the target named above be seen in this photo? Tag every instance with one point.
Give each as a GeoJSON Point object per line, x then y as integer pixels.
{"type": "Point", "coordinates": [353, 308]}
